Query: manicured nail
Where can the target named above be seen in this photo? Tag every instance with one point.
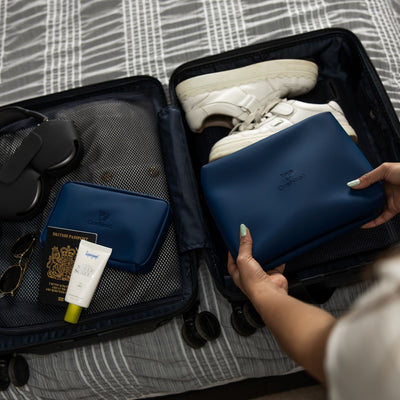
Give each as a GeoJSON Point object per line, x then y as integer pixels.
{"type": "Point", "coordinates": [243, 230]}
{"type": "Point", "coordinates": [351, 184]}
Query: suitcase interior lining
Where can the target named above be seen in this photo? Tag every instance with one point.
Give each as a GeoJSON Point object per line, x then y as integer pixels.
{"type": "Point", "coordinates": [121, 149]}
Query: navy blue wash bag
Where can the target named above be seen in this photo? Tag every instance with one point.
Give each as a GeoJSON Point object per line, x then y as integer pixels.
{"type": "Point", "coordinates": [290, 190]}
{"type": "Point", "coordinates": [132, 224]}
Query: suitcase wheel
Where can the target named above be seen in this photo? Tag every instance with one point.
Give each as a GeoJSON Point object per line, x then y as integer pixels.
{"type": "Point", "coordinates": [207, 325]}
{"type": "Point", "coordinates": [18, 371]}
{"type": "Point", "coordinates": [199, 328]}
{"type": "Point", "coordinates": [252, 316]}
{"type": "Point", "coordinates": [4, 378]}
{"type": "Point", "coordinates": [239, 321]}
{"type": "Point", "coordinates": [13, 369]}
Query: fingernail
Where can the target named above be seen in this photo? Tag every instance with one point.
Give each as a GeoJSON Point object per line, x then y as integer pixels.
{"type": "Point", "coordinates": [351, 184]}
{"type": "Point", "coordinates": [243, 230]}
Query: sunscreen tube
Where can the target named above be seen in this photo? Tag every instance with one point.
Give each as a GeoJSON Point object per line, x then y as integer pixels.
{"type": "Point", "coordinates": [89, 265]}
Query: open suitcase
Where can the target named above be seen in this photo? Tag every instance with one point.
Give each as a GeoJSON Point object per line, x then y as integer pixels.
{"type": "Point", "coordinates": [347, 76]}
{"type": "Point", "coordinates": [133, 140]}
{"type": "Point", "coordinates": [120, 135]}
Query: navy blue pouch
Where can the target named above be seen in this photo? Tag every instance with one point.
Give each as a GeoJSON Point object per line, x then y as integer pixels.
{"type": "Point", "coordinates": [290, 190]}
{"type": "Point", "coordinates": [132, 224]}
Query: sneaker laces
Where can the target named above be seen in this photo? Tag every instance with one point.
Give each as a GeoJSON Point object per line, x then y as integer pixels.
{"type": "Point", "coordinates": [254, 119]}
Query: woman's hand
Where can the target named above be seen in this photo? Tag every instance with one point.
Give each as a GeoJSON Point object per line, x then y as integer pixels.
{"type": "Point", "coordinates": [389, 173]}
{"type": "Point", "coordinates": [301, 329]}
{"type": "Point", "coordinates": [248, 274]}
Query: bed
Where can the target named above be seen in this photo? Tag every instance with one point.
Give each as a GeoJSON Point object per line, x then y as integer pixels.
{"type": "Point", "coordinates": [51, 46]}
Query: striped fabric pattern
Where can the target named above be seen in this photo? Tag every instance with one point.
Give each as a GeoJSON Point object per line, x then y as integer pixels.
{"type": "Point", "coordinates": [48, 46]}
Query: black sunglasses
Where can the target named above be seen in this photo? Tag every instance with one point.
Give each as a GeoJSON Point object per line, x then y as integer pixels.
{"type": "Point", "coordinates": [11, 278]}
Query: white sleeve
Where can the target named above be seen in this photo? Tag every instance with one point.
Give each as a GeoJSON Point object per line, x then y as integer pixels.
{"type": "Point", "coordinates": [363, 351]}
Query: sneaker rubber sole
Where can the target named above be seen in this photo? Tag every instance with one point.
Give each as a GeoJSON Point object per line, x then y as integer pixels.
{"type": "Point", "coordinates": [240, 76]}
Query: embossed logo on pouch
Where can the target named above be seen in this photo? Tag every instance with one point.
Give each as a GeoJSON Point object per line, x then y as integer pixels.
{"type": "Point", "coordinates": [101, 220]}
{"type": "Point", "coordinates": [290, 177]}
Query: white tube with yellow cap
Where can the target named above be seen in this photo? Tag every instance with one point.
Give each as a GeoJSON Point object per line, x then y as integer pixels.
{"type": "Point", "coordinates": [89, 265]}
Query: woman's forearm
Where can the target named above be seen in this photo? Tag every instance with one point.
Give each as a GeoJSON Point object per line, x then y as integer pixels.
{"type": "Point", "coordinates": [301, 329]}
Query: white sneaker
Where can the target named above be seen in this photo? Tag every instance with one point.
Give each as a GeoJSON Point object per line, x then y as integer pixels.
{"type": "Point", "coordinates": [214, 99]}
{"type": "Point", "coordinates": [277, 116]}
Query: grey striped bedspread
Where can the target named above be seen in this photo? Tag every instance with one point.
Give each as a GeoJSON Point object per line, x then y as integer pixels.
{"type": "Point", "coordinates": [48, 46]}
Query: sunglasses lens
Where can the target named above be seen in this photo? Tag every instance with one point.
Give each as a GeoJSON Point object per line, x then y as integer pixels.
{"type": "Point", "coordinates": [10, 278]}
{"type": "Point", "coordinates": [22, 244]}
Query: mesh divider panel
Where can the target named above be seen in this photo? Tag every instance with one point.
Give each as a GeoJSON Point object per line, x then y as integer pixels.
{"type": "Point", "coordinates": [122, 150]}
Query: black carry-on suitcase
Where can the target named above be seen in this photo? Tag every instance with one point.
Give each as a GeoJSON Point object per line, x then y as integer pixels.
{"type": "Point", "coordinates": [119, 133]}
{"type": "Point", "coordinates": [133, 140]}
{"type": "Point", "coordinates": [347, 76]}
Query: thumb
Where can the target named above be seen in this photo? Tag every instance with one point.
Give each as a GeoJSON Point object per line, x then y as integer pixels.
{"type": "Point", "coordinates": [369, 178]}
{"type": "Point", "coordinates": [246, 243]}
{"type": "Point", "coordinates": [245, 257]}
